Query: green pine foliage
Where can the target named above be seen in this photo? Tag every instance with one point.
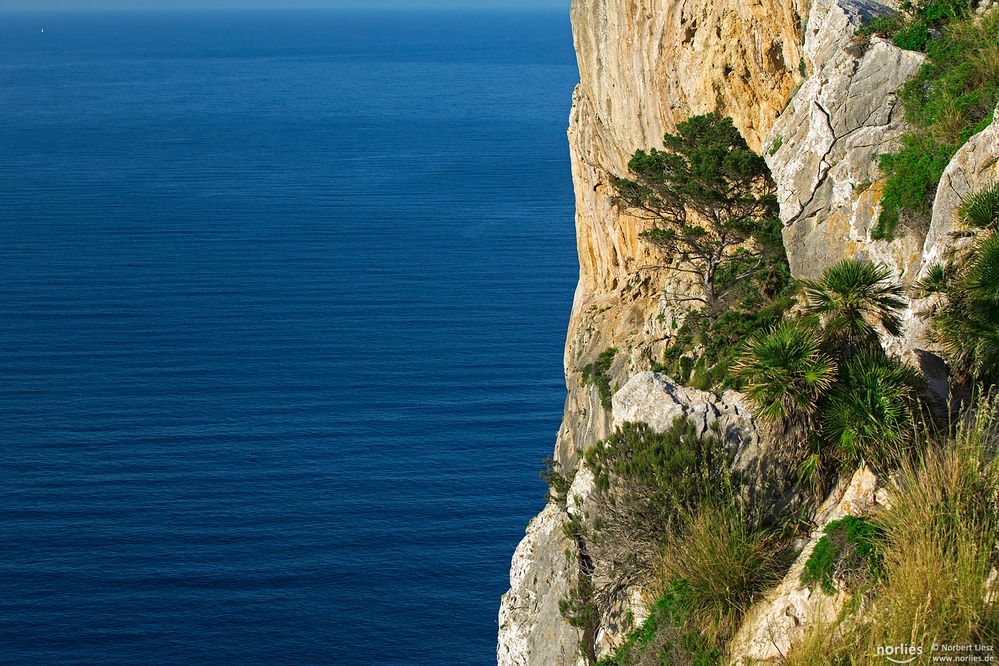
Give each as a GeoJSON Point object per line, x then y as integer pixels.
{"type": "Point", "coordinates": [706, 197]}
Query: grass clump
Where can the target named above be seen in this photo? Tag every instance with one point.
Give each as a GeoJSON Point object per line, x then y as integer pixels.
{"type": "Point", "coordinates": [728, 560]}
{"type": "Point", "coordinates": [664, 637]}
{"type": "Point", "coordinates": [936, 547]}
{"type": "Point", "coordinates": [950, 99]}
{"type": "Point", "coordinates": [597, 374]}
{"type": "Point", "coordinates": [847, 551]}
{"type": "Point", "coordinates": [717, 564]}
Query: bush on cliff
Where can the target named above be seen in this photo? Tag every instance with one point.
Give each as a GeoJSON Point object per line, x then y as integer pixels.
{"type": "Point", "coordinates": [645, 482]}
{"type": "Point", "coordinates": [784, 373]}
{"type": "Point", "coordinates": [597, 374]}
{"type": "Point", "coordinates": [848, 552]}
{"type": "Point", "coordinates": [950, 99]}
{"type": "Point", "coordinates": [911, 27]}
{"type": "Point", "coordinates": [965, 322]}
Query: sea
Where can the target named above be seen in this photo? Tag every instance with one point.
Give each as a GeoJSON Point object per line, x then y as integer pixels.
{"type": "Point", "coordinates": [283, 298]}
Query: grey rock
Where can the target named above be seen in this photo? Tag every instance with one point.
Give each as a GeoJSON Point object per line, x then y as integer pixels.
{"type": "Point", "coordinates": [825, 145]}
{"type": "Point", "coordinates": [531, 628]}
{"type": "Point", "coordinates": [655, 399]}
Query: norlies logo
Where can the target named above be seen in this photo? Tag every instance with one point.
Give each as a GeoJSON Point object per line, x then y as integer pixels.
{"type": "Point", "coordinates": [903, 653]}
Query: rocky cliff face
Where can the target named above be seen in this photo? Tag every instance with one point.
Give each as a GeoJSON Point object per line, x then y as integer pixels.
{"type": "Point", "coordinates": [737, 58]}
{"type": "Point", "coordinates": [820, 105]}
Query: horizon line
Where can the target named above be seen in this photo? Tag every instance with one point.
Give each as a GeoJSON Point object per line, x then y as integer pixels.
{"type": "Point", "coordinates": [358, 7]}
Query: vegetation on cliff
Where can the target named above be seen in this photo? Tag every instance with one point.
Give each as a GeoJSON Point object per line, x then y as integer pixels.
{"type": "Point", "coordinates": [710, 205]}
{"type": "Point", "coordinates": [965, 319]}
{"type": "Point", "coordinates": [951, 98]}
{"type": "Point", "coordinates": [932, 553]}
{"type": "Point", "coordinates": [668, 515]}
{"type": "Point", "coordinates": [706, 196]}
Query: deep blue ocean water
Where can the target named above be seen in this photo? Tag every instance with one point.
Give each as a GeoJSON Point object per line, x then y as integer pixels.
{"type": "Point", "coordinates": [282, 305]}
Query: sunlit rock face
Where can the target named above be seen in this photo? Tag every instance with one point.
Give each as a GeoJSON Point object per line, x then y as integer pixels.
{"type": "Point", "coordinates": [823, 151]}
{"type": "Point", "coordinates": [645, 65]}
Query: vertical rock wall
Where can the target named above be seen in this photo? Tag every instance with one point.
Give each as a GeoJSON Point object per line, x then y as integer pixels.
{"type": "Point", "coordinates": [645, 65]}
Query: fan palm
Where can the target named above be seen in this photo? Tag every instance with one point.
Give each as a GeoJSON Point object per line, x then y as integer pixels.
{"type": "Point", "coordinates": [871, 412]}
{"type": "Point", "coordinates": [981, 209]}
{"type": "Point", "coordinates": [851, 297]}
{"type": "Point", "coordinates": [967, 324]}
{"type": "Point", "coordinates": [785, 372]}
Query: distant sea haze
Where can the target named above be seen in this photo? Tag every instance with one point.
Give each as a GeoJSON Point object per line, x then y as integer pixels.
{"type": "Point", "coordinates": [282, 305]}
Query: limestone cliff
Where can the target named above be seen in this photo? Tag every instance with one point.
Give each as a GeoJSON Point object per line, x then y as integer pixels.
{"type": "Point", "coordinates": [820, 105]}
{"type": "Point", "coordinates": [738, 58]}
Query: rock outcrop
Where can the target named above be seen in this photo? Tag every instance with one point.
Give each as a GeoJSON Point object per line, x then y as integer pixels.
{"type": "Point", "coordinates": [531, 628]}
{"type": "Point", "coordinates": [791, 609]}
{"type": "Point", "coordinates": [655, 399]}
{"type": "Point", "coordinates": [974, 168]}
{"type": "Point", "coordinates": [823, 150]}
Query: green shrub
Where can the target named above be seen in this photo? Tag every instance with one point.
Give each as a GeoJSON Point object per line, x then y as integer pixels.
{"type": "Point", "coordinates": [597, 374]}
{"type": "Point", "coordinates": [665, 637]}
{"type": "Point", "coordinates": [775, 145]}
{"type": "Point", "coordinates": [645, 482]}
{"type": "Point", "coordinates": [966, 321]}
{"type": "Point", "coordinates": [558, 483]}
{"type": "Point", "coordinates": [705, 350]}
{"type": "Point", "coordinates": [950, 99]}
{"type": "Point", "coordinates": [910, 27]}
{"type": "Point", "coordinates": [848, 551]}
{"type": "Point", "coordinates": [912, 177]}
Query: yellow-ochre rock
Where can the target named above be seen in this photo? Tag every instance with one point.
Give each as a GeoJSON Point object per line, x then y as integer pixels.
{"type": "Point", "coordinates": [819, 103]}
